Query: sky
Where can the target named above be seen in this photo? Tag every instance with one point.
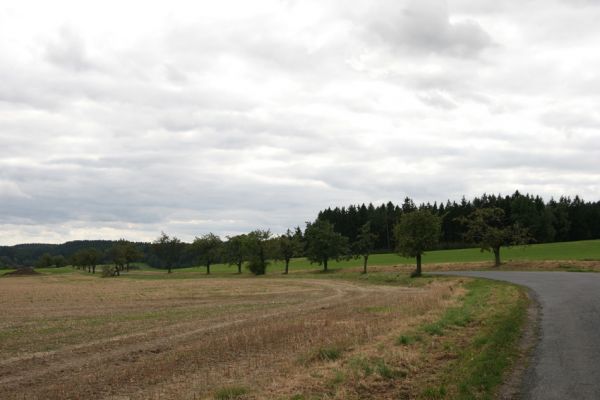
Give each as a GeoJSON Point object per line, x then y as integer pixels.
{"type": "Point", "coordinates": [125, 119]}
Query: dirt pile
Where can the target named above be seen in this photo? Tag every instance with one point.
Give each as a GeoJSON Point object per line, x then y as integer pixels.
{"type": "Point", "coordinates": [23, 272]}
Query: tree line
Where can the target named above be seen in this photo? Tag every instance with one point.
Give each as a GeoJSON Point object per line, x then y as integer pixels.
{"type": "Point", "coordinates": [565, 219]}
{"type": "Point", "coordinates": [417, 231]}
{"type": "Point", "coordinates": [489, 222]}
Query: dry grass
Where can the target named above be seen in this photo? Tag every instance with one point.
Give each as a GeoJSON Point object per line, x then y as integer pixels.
{"type": "Point", "coordinates": [541, 265]}
{"type": "Point", "coordinates": [75, 336]}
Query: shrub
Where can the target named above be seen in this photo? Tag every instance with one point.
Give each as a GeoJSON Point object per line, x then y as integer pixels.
{"type": "Point", "coordinates": [108, 271]}
{"type": "Point", "coordinates": [257, 267]}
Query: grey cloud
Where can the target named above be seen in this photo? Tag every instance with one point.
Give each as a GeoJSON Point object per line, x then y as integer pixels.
{"type": "Point", "coordinates": [533, 159]}
{"type": "Point", "coordinates": [581, 3]}
{"type": "Point", "coordinates": [68, 51]}
{"type": "Point", "coordinates": [174, 75]}
{"type": "Point", "coordinates": [425, 26]}
{"type": "Point", "coordinates": [437, 99]}
{"type": "Point", "coordinates": [565, 120]}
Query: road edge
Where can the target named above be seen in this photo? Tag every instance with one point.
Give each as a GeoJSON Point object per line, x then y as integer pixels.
{"type": "Point", "coordinates": [516, 383]}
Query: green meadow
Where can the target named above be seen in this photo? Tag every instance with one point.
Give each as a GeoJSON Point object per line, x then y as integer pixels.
{"type": "Point", "coordinates": [582, 250]}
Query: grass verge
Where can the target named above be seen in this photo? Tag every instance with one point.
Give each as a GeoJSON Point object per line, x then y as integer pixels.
{"type": "Point", "coordinates": [481, 337]}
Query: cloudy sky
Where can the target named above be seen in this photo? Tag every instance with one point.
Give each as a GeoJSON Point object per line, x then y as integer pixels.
{"type": "Point", "coordinates": [125, 118]}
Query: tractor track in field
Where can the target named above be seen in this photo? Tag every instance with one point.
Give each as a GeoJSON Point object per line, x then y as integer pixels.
{"type": "Point", "coordinates": [29, 369]}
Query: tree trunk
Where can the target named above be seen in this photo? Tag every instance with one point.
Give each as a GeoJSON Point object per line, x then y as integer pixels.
{"type": "Point", "coordinates": [127, 267]}
{"type": "Point", "coordinates": [387, 231]}
{"type": "Point", "coordinates": [325, 265]}
{"type": "Point", "coordinates": [207, 268]}
{"type": "Point", "coordinates": [497, 256]}
{"type": "Point", "coordinates": [365, 264]}
{"type": "Point", "coordinates": [287, 266]}
{"type": "Point", "coordinates": [169, 269]}
{"type": "Point", "coordinates": [93, 269]}
{"type": "Point", "coordinates": [239, 264]}
{"type": "Point", "coordinates": [418, 270]}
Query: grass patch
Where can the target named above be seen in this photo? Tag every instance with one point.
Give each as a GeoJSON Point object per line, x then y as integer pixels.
{"type": "Point", "coordinates": [434, 393]}
{"type": "Point", "coordinates": [328, 354]}
{"type": "Point", "coordinates": [477, 367]}
{"type": "Point", "coordinates": [474, 301]}
{"type": "Point", "coordinates": [380, 309]}
{"type": "Point", "coordinates": [361, 366]}
{"type": "Point", "coordinates": [434, 329]}
{"type": "Point", "coordinates": [386, 371]}
{"type": "Point", "coordinates": [338, 378]}
{"type": "Point", "coordinates": [365, 367]}
{"type": "Point", "coordinates": [230, 393]}
{"type": "Point", "coordinates": [322, 354]}
{"type": "Point", "coordinates": [406, 340]}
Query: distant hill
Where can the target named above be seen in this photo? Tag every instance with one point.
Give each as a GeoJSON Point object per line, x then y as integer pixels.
{"type": "Point", "coordinates": [28, 254]}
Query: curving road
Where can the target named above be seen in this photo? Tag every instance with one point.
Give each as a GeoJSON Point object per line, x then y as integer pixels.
{"type": "Point", "coordinates": [566, 361]}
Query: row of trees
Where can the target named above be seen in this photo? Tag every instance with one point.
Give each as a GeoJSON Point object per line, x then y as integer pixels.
{"type": "Point", "coordinates": [417, 231]}
{"type": "Point", "coordinates": [254, 249]}
{"type": "Point", "coordinates": [120, 256]}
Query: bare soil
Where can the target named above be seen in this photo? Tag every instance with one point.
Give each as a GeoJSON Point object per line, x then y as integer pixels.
{"type": "Point", "coordinates": [22, 272]}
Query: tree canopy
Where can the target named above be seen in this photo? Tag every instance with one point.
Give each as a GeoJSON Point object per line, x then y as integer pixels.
{"type": "Point", "coordinates": [489, 228]}
{"type": "Point", "coordinates": [290, 245]}
{"type": "Point", "coordinates": [168, 250]}
{"type": "Point", "coordinates": [323, 243]}
{"type": "Point", "coordinates": [364, 244]}
{"type": "Point", "coordinates": [207, 249]}
{"type": "Point", "coordinates": [258, 249]}
{"type": "Point", "coordinates": [234, 251]}
{"type": "Point", "coordinates": [417, 232]}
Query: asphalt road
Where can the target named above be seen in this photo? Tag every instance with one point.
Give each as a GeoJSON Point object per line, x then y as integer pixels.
{"type": "Point", "coordinates": [566, 361]}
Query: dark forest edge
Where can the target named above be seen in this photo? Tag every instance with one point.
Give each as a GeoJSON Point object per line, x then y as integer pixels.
{"type": "Point", "coordinates": [487, 222]}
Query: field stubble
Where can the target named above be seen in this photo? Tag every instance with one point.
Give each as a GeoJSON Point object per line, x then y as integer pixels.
{"type": "Point", "coordinates": [75, 336]}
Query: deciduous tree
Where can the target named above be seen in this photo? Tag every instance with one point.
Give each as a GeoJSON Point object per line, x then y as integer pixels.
{"type": "Point", "coordinates": [233, 251]}
{"type": "Point", "coordinates": [131, 252]}
{"type": "Point", "coordinates": [289, 245]}
{"type": "Point", "coordinates": [323, 243]}
{"type": "Point", "coordinates": [44, 261]}
{"type": "Point", "coordinates": [259, 249]}
{"type": "Point", "coordinates": [116, 254]}
{"type": "Point", "coordinates": [364, 244]}
{"type": "Point", "coordinates": [489, 229]}
{"type": "Point", "coordinates": [207, 249]}
{"type": "Point", "coordinates": [417, 232]}
{"type": "Point", "coordinates": [168, 250]}
{"type": "Point", "coordinates": [59, 261]}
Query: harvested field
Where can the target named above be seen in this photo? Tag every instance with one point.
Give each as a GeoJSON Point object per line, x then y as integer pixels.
{"type": "Point", "coordinates": [76, 336]}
